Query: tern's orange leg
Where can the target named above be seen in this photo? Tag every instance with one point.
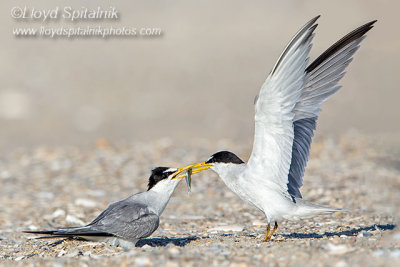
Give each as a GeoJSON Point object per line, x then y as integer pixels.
{"type": "Point", "coordinates": [266, 239]}
{"type": "Point", "coordinates": [269, 235]}
{"type": "Point", "coordinates": [274, 230]}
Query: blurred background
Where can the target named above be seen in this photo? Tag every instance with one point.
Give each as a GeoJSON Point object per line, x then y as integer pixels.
{"type": "Point", "coordinates": [197, 80]}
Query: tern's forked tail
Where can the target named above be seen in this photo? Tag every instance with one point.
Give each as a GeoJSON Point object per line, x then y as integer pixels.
{"type": "Point", "coordinates": [306, 210]}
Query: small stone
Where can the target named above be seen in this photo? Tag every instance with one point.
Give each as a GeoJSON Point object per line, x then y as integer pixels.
{"type": "Point", "coordinates": [57, 213]}
{"type": "Point", "coordinates": [193, 217]}
{"type": "Point", "coordinates": [32, 228]}
{"type": "Point", "coordinates": [61, 253]}
{"type": "Point", "coordinates": [341, 264]}
{"type": "Point", "coordinates": [227, 228]}
{"type": "Point", "coordinates": [378, 253]}
{"type": "Point", "coordinates": [171, 264]}
{"type": "Point", "coordinates": [85, 202]}
{"type": "Point", "coordinates": [47, 195]}
{"type": "Point", "coordinates": [259, 223]}
{"type": "Point", "coordinates": [364, 234]}
{"type": "Point", "coordinates": [238, 264]}
{"type": "Point", "coordinates": [87, 253]}
{"type": "Point", "coordinates": [214, 250]}
{"type": "Point", "coordinates": [131, 253]}
{"type": "Point", "coordinates": [337, 249]}
{"type": "Point", "coordinates": [173, 251]}
{"type": "Point", "coordinates": [395, 253]}
{"type": "Point", "coordinates": [5, 174]}
{"type": "Point", "coordinates": [73, 220]}
{"type": "Point", "coordinates": [142, 261]}
{"type": "Point", "coordinates": [96, 193]}
{"type": "Point", "coordinates": [72, 254]}
{"type": "Point", "coordinates": [225, 253]}
{"type": "Point", "coordinates": [396, 237]}
{"type": "Point", "coordinates": [19, 258]}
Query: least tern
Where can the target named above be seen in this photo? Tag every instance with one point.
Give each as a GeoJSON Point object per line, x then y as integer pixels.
{"type": "Point", "coordinates": [124, 222]}
{"type": "Point", "coordinates": [286, 111]}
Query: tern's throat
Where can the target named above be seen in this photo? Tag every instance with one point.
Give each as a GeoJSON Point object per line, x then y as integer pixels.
{"type": "Point", "coordinates": [160, 194]}
{"type": "Point", "coordinates": [228, 171]}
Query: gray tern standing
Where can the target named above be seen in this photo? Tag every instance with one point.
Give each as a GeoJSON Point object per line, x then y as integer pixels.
{"type": "Point", "coordinates": [124, 222]}
{"type": "Point", "coordinates": [286, 111]}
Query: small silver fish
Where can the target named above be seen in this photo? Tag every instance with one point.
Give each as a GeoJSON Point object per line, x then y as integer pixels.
{"type": "Point", "coordinates": [188, 177]}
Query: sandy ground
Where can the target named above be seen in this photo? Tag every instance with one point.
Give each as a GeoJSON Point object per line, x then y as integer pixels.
{"type": "Point", "coordinates": [47, 187]}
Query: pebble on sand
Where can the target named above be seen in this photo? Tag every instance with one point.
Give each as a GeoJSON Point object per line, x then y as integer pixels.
{"type": "Point", "coordinates": [227, 228]}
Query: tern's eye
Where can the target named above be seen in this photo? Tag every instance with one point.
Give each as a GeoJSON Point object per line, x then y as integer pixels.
{"type": "Point", "coordinates": [166, 174]}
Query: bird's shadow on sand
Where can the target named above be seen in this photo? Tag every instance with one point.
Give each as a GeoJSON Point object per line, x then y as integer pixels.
{"type": "Point", "coordinates": [351, 232]}
{"type": "Point", "coordinates": [162, 242]}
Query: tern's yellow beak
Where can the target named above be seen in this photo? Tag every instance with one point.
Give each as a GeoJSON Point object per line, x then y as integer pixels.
{"type": "Point", "coordinates": [196, 168]}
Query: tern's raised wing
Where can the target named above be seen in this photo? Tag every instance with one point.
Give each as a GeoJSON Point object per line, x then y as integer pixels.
{"type": "Point", "coordinates": [274, 112]}
{"type": "Point", "coordinates": [322, 77]}
{"type": "Point", "coordinates": [293, 94]}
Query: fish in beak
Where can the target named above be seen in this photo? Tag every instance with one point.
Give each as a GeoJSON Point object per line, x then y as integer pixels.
{"type": "Point", "coordinates": [190, 169]}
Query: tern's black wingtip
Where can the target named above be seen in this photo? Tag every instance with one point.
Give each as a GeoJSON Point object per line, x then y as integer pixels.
{"type": "Point", "coordinates": [313, 20]}
{"type": "Point", "coordinates": [43, 232]}
{"type": "Point", "coordinates": [29, 232]}
{"type": "Point", "coordinates": [353, 35]}
{"type": "Point", "coordinates": [363, 29]}
{"type": "Point", "coordinates": [371, 24]}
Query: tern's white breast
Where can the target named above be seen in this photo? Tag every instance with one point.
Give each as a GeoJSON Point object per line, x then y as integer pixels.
{"type": "Point", "coordinates": [257, 189]}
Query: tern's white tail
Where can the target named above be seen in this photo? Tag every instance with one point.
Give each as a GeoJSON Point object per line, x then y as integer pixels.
{"type": "Point", "coordinates": [307, 210]}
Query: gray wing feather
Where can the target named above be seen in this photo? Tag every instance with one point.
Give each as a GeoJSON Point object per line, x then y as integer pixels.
{"type": "Point", "coordinates": [142, 227]}
{"type": "Point", "coordinates": [297, 36]}
{"type": "Point", "coordinates": [126, 219]}
{"type": "Point", "coordinates": [134, 210]}
{"type": "Point", "coordinates": [303, 133]}
{"type": "Point", "coordinates": [323, 74]}
{"type": "Point", "coordinates": [273, 134]}
{"type": "Point", "coordinates": [322, 77]}
{"type": "Point", "coordinates": [305, 34]}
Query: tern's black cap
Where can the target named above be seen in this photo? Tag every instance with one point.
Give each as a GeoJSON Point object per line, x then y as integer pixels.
{"type": "Point", "coordinates": [158, 174]}
{"type": "Point", "coordinates": [224, 157]}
